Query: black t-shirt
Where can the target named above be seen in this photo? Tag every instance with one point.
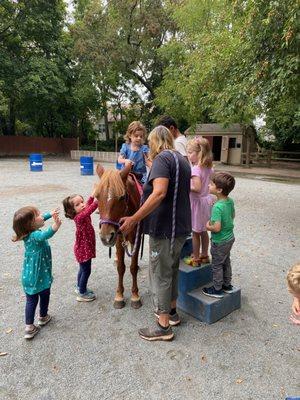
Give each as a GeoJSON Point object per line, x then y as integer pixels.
{"type": "Point", "coordinates": [159, 222]}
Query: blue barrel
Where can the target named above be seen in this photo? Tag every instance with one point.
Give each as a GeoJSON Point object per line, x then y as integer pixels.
{"type": "Point", "coordinates": [86, 165]}
{"type": "Point", "coordinates": [36, 162]}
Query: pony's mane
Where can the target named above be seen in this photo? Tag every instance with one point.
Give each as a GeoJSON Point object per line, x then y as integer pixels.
{"type": "Point", "coordinates": [111, 182]}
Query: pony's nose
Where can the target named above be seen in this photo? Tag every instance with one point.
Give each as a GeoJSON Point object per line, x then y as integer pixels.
{"type": "Point", "coordinates": [108, 239]}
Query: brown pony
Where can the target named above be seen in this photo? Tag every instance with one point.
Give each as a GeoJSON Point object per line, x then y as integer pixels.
{"type": "Point", "coordinates": [118, 197]}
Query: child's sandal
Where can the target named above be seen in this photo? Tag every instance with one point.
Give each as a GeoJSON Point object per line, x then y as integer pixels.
{"type": "Point", "coordinates": [204, 260]}
{"type": "Point", "coordinates": [193, 262]}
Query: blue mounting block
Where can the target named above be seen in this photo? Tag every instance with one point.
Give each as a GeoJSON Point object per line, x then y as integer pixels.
{"type": "Point", "coordinates": [192, 301]}
{"type": "Point", "coordinates": [187, 248]}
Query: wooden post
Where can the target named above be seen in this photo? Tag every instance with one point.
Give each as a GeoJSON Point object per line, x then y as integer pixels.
{"type": "Point", "coordinates": [269, 158]}
{"type": "Point", "coordinates": [116, 142]}
{"type": "Point", "coordinates": [248, 150]}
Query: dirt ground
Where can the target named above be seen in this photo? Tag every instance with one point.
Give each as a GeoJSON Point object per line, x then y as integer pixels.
{"type": "Point", "coordinates": [92, 351]}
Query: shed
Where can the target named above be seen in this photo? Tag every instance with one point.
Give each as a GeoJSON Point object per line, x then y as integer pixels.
{"type": "Point", "coordinates": [227, 143]}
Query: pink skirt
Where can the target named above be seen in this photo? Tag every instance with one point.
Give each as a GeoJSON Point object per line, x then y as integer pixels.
{"type": "Point", "coordinates": [201, 211]}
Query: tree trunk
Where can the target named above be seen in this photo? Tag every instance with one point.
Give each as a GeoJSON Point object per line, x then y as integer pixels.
{"type": "Point", "coordinates": [106, 123]}
{"type": "Point", "coordinates": [3, 126]}
{"type": "Point", "coordinates": [74, 127]}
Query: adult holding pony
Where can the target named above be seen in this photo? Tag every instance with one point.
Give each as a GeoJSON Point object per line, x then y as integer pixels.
{"type": "Point", "coordinates": [167, 220]}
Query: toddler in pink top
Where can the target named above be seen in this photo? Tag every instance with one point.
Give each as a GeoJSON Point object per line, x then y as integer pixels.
{"type": "Point", "coordinates": [200, 157]}
{"type": "Point", "coordinates": [85, 242]}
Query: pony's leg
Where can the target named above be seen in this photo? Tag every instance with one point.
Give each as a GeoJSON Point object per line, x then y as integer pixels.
{"type": "Point", "coordinates": [119, 301]}
{"type": "Point", "coordinates": [135, 298]}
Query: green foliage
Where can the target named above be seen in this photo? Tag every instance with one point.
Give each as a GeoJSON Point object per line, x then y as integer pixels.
{"type": "Point", "coordinates": [234, 61]}
{"type": "Point", "coordinates": [200, 61]}
{"type": "Point", "coordinates": [121, 41]}
{"type": "Point", "coordinates": [42, 89]}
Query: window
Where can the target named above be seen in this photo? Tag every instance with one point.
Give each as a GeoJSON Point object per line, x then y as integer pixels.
{"type": "Point", "coordinates": [101, 127]}
{"type": "Point", "coordinates": [232, 143]}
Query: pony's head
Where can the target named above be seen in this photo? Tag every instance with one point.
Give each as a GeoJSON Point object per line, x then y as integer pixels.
{"type": "Point", "coordinates": [112, 202]}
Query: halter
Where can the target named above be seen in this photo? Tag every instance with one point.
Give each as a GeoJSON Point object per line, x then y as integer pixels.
{"type": "Point", "coordinates": [108, 222]}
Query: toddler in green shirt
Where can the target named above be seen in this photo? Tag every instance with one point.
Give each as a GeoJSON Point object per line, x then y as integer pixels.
{"type": "Point", "coordinates": [222, 237]}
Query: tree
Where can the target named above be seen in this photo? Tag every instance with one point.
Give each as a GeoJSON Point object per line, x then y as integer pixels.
{"type": "Point", "coordinates": [122, 41]}
{"type": "Point", "coordinates": [30, 34]}
{"type": "Point", "coordinates": [233, 61]}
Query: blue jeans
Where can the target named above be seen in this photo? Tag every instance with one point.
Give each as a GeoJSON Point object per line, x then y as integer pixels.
{"type": "Point", "coordinates": [83, 275]}
{"type": "Point", "coordinates": [32, 302]}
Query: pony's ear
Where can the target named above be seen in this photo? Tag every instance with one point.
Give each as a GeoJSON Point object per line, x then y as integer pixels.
{"type": "Point", "coordinates": [100, 170]}
{"type": "Point", "coordinates": [125, 171]}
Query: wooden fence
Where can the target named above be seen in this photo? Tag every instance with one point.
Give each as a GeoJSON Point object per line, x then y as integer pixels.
{"type": "Point", "coordinates": [267, 157]}
{"type": "Point", "coordinates": [105, 156]}
{"type": "Point", "coordinates": [23, 145]}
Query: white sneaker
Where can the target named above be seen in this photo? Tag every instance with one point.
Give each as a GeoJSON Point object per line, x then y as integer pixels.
{"type": "Point", "coordinates": [30, 334]}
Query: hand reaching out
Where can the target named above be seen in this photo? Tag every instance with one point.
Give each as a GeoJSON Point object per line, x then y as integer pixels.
{"type": "Point", "coordinates": [93, 193]}
{"type": "Point", "coordinates": [295, 317]}
{"type": "Point", "coordinates": [55, 212]}
{"type": "Point", "coordinates": [57, 222]}
{"type": "Point", "coordinates": [294, 320]}
{"type": "Point", "coordinates": [296, 306]}
{"type": "Point", "coordinates": [128, 162]}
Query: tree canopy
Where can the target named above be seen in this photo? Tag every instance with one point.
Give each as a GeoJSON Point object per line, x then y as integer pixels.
{"type": "Point", "coordinates": [219, 61]}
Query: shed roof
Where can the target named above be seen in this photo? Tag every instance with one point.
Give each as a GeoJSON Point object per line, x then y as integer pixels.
{"type": "Point", "coordinates": [219, 128]}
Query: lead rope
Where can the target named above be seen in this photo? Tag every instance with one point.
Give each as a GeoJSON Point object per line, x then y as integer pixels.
{"type": "Point", "coordinates": [125, 243]}
{"type": "Point", "coordinates": [174, 201]}
{"type": "Point", "coordinates": [136, 240]}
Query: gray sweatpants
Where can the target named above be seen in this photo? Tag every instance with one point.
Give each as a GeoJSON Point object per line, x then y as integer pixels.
{"type": "Point", "coordinates": [221, 265]}
{"type": "Point", "coordinates": [163, 271]}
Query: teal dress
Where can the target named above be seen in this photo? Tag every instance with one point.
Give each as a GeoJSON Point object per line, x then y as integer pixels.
{"type": "Point", "coordinates": [37, 266]}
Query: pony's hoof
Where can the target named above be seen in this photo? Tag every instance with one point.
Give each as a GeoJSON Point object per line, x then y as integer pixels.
{"type": "Point", "coordinates": [136, 304]}
{"type": "Point", "coordinates": [118, 304]}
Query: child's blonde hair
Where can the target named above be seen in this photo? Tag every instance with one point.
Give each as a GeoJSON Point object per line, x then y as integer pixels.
{"type": "Point", "coordinates": [23, 222]}
{"type": "Point", "coordinates": [133, 127]}
{"type": "Point", "coordinates": [202, 147]}
{"type": "Point", "coordinates": [293, 279]}
{"type": "Point", "coordinates": [160, 138]}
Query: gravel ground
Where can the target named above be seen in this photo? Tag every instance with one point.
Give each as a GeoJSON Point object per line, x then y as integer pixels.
{"type": "Point", "coordinates": [92, 351]}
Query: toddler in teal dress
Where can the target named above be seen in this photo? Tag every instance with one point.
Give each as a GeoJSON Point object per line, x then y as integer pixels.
{"type": "Point", "coordinates": [37, 266]}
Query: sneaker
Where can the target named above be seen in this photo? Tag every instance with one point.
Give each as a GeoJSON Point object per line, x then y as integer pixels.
{"type": "Point", "coordinates": [212, 292]}
{"type": "Point", "coordinates": [228, 288]}
{"type": "Point", "coordinates": [157, 333]}
{"type": "Point", "coordinates": [44, 320]}
{"type": "Point", "coordinates": [174, 318]}
{"type": "Point", "coordinates": [87, 296]}
{"type": "Point", "coordinates": [76, 290]}
{"type": "Point", "coordinates": [29, 334]}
